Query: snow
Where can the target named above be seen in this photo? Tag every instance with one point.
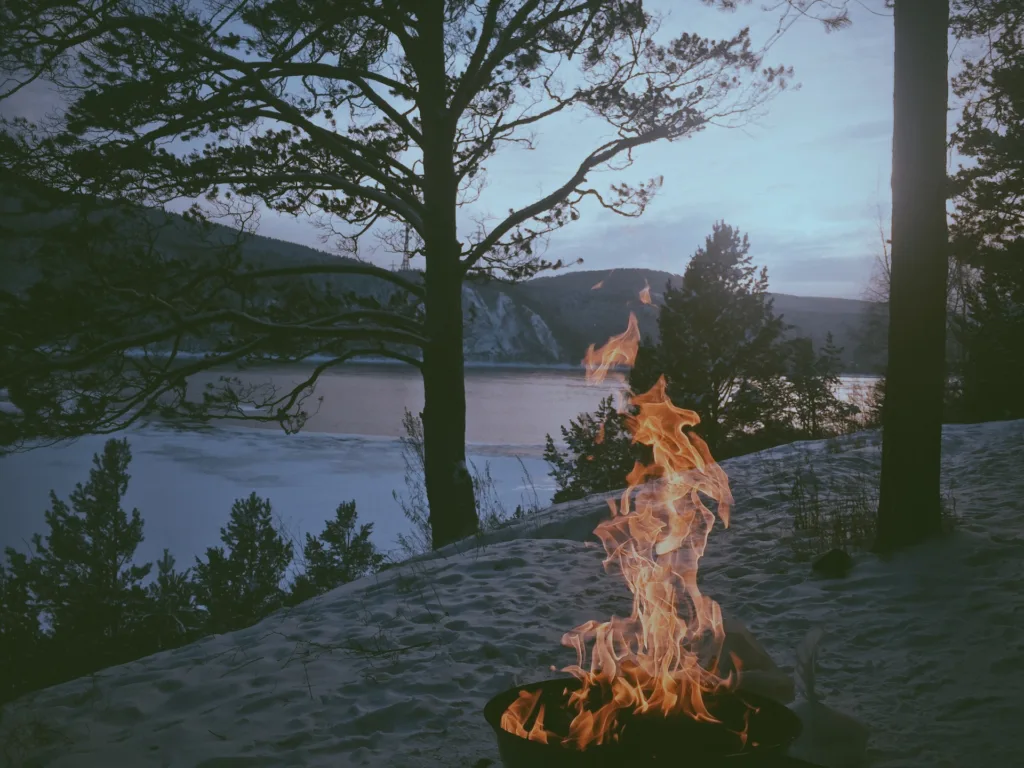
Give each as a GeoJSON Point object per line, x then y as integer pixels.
{"type": "Point", "coordinates": [924, 648]}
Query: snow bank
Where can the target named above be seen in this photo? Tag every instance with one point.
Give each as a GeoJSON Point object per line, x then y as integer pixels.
{"type": "Point", "coordinates": [926, 648]}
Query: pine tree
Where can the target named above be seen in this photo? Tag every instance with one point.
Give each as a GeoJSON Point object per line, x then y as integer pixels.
{"type": "Point", "coordinates": [814, 380]}
{"type": "Point", "coordinates": [81, 574]}
{"type": "Point", "coordinates": [240, 586]}
{"type": "Point", "coordinates": [20, 635]}
{"type": "Point", "coordinates": [172, 618]}
{"type": "Point", "coordinates": [718, 330]}
{"type": "Point", "coordinates": [909, 502]}
{"type": "Point", "coordinates": [599, 454]}
{"type": "Point", "coordinates": [337, 556]}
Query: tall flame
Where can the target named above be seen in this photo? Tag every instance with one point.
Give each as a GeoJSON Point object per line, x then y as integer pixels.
{"type": "Point", "coordinates": [664, 657]}
{"type": "Point", "coordinates": [620, 350]}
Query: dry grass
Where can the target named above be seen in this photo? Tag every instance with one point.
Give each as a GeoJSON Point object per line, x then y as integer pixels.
{"type": "Point", "coordinates": [831, 508]}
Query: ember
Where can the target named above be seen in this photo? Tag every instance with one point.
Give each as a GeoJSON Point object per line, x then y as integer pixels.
{"type": "Point", "coordinates": [660, 665]}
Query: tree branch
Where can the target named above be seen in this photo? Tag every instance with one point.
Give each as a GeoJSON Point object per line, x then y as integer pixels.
{"type": "Point", "coordinates": [596, 158]}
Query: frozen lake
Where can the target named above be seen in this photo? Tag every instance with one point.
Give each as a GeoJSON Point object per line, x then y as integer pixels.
{"type": "Point", "coordinates": [183, 483]}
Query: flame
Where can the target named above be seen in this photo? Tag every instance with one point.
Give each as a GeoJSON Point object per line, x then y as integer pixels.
{"type": "Point", "coordinates": [514, 718]}
{"type": "Point", "coordinates": [645, 294]}
{"type": "Point", "coordinates": [600, 283]}
{"type": "Point", "coordinates": [664, 657]}
{"type": "Point", "coordinates": [619, 350]}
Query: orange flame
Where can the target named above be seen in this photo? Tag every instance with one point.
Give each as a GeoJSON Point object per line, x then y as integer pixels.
{"type": "Point", "coordinates": [645, 294]}
{"type": "Point", "coordinates": [619, 350]}
{"type": "Point", "coordinates": [664, 657]}
{"type": "Point", "coordinates": [514, 718]}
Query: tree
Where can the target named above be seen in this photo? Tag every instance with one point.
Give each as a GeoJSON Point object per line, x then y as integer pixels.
{"type": "Point", "coordinates": [814, 381]}
{"type": "Point", "coordinates": [81, 575]}
{"type": "Point", "coordinates": [20, 634]}
{"type": "Point", "coordinates": [375, 114]}
{"type": "Point", "coordinates": [241, 586]}
{"type": "Point", "coordinates": [337, 556]}
{"type": "Point", "coordinates": [172, 617]}
{"type": "Point", "coordinates": [987, 233]}
{"type": "Point", "coordinates": [599, 453]}
{"type": "Point", "coordinates": [909, 506]}
{"type": "Point", "coordinates": [717, 330]}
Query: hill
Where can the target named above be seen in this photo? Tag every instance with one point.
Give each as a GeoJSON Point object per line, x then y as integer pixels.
{"type": "Point", "coordinates": [578, 313]}
{"type": "Point", "coordinates": [545, 320]}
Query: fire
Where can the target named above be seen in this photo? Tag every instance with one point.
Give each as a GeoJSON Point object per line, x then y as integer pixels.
{"type": "Point", "coordinates": [663, 658]}
{"type": "Point", "coordinates": [620, 350]}
{"type": "Point", "coordinates": [518, 714]}
{"type": "Point", "coordinates": [645, 294]}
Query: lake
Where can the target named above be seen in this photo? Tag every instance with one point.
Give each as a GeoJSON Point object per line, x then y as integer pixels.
{"type": "Point", "coordinates": [184, 482]}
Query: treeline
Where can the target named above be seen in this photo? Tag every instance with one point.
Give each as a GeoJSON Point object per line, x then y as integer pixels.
{"type": "Point", "coordinates": [725, 354]}
{"type": "Point", "coordinates": [77, 601]}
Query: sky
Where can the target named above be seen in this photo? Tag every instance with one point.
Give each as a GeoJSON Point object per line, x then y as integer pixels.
{"type": "Point", "coordinates": [808, 181]}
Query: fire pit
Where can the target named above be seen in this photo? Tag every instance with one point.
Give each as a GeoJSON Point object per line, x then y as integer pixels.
{"type": "Point", "coordinates": [658, 687]}
{"type": "Point", "coordinates": [661, 742]}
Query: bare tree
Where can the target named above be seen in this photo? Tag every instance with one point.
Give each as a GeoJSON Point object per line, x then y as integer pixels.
{"type": "Point", "coordinates": [371, 114]}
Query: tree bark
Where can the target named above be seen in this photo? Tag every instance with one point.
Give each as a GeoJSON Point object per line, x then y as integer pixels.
{"type": "Point", "coordinates": [448, 483]}
{"type": "Point", "coordinates": [909, 508]}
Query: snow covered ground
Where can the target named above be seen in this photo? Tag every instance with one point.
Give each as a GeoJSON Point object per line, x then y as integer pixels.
{"type": "Point", "coordinates": [926, 648]}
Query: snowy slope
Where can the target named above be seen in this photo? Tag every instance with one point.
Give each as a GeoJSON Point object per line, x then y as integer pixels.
{"type": "Point", "coordinates": [925, 648]}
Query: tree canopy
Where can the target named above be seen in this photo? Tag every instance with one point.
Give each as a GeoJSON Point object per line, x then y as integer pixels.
{"type": "Point", "coordinates": [371, 116]}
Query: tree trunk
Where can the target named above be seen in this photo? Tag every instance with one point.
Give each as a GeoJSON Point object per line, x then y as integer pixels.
{"type": "Point", "coordinates": [448, 482]}
{"type": "Point", "coordinates": [909, 507]}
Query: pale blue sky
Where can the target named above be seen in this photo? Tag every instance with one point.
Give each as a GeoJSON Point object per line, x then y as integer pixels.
{"type": "Point", "coordinates": [806, 181]}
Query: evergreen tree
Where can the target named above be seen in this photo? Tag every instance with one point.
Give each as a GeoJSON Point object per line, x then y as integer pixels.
{"type": "Point", "coordinates": [340, 554]}
{"type": "Point", "coordinates": [814, 381]}
{"type": "Point", "coordinates": [20, 636]}
{"type": "Point", "coordinates": [241, 585]}
{"type": "Point", "coordinates": [599, 454]}
{"type": "Point", "coordinates": [172, 618]}
{"type": "Point", "coordinates": [988, 222]}
{"type": "Point", "coordinates": [718, 333]}
{"type": "Point", "coordinates": [81, 574]}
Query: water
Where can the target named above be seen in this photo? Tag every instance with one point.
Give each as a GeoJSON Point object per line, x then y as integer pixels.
{"type": "Point", "coordinates": [185, 482]}
{"type": "Point", "coordinates": [508, 407]}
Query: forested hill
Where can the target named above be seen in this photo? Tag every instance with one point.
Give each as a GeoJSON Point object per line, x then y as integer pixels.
{"type": "Point", "coordinates": [579, 314]}
{"type": "Point", "coordinates": [546, 320]}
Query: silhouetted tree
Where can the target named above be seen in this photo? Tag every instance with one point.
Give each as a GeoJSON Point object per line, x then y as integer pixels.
{"type": "Point", "coordinates": [909, 497]}
{"type": "Point", "coordinates": [988, 220]}
{"type": "Point", "coordinates": [599, 453]}
{"type": "Point", "coordinates": [378, 114]}
{"type": "Point", "coordinates": [717, 330]}
{"type": "Point", "coordinates": [813, 378]}
{"type": "Point", "coordinates": [340, 554]}
{"type": "Point", "coordinates": [21, 639]}
{"type": "Point", "coordinates": [81, 575]}
{"type": "Point", "coordinates": [171, 617]}
{"type": "Point", "coordinates": [239, 587]}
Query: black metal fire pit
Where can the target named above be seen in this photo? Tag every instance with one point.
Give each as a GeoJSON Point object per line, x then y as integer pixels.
{"type": "Point", "coordinates": [654, 741]}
